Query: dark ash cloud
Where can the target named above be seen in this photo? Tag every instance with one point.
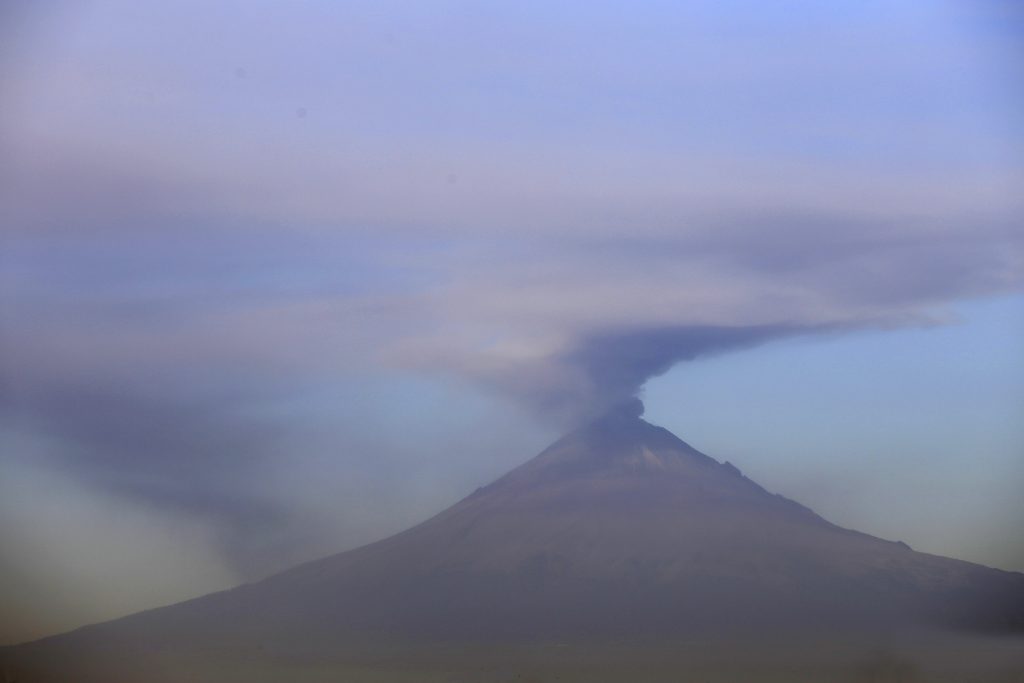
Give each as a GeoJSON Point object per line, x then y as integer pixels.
{"type": "Point", "coordinates": [602, 371]}
{"type": "Point", "coordinates": [618, 364]}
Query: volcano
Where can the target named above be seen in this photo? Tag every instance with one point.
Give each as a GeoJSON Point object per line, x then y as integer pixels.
{"type": "Point", "coordinates": [618, 538]}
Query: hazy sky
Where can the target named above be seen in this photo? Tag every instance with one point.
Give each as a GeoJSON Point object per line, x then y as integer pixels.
{"type": "Point", "coordinates": [280, 278]}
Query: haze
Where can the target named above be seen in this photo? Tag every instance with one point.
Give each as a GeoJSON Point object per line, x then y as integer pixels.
{"type": "Point", "coordinates": [278, 279]}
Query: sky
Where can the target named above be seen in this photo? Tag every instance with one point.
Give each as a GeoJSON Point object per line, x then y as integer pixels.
{"type": "Point", "coordinates": [278, 279]}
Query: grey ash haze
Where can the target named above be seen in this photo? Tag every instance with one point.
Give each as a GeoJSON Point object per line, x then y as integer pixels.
{"type": "Point", "coordinates": [276, 280]}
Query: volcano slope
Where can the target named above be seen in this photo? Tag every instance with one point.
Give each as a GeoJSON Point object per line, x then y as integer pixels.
{"type": "Point", "coordinates": [618, 553]}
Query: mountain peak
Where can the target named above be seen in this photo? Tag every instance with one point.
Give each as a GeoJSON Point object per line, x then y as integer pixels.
{"type": "Point", "coordinates": [619, 444]}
